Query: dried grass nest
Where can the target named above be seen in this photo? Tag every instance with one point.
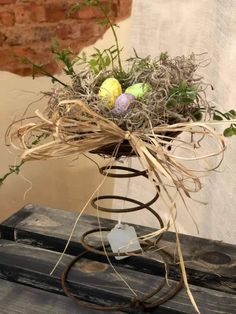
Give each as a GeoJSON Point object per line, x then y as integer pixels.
{"type": "Point", "coordinates": [177, 93]}
{"type": "Point", "coordinates": [76, 120]}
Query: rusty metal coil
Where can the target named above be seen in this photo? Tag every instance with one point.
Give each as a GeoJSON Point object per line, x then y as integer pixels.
{"type": "Point", "coordinates": [138, 303]}
{"type": "Point", "coordinates": [145, 301]}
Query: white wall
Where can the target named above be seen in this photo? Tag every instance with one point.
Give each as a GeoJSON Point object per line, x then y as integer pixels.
{"type": "Point", "coordinates": [182, 27]}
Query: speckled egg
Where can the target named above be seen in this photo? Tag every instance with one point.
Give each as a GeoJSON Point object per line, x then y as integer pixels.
{"type": "Point", "coordinates": [122, 102]}
{"type": "Point", "coordinates": [109, 91]}
{"type": "Point", "coordinates": [138, 90]}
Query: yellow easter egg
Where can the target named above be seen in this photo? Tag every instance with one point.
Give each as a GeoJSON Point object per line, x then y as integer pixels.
{"type": "Point", "coordinates": [109, 91]}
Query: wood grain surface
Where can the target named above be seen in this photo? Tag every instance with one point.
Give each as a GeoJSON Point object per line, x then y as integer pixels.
{"type": "Point", "coordinates": [16, 298]}
{"type": "Point", "coordinates": [33, 239]}
{"type": "Point", "coordinates": [211, 264]}
{"type": "Point", "coordinates": [97, 282]}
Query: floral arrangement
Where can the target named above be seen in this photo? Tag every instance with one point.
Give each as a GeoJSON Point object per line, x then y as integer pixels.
{"type": "Point", "coordinates": [141, 103]}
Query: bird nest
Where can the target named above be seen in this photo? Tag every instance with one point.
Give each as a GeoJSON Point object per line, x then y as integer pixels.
{"type": "Point", "coordinates": [78, 120]}
{"type": "Point", "coordinates": [177, 93]}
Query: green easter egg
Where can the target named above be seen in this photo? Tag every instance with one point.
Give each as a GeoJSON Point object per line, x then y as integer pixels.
{"type": "Point", "coordinates": [109, 91]}
{"type": "Point", "coordinates": [138, 90]}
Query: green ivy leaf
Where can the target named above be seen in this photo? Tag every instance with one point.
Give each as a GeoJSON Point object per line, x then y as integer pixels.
{"type": "Point", "coordinates": [93, 62]}
{"type": "Point", "coordinates": [229, 132]}
{"type": "Point", "coordinates": [75, 8]}
{"type": "Point", "coordinates": [197, 115]}
{"type": "Point", "coordinates": [171, 103]}
{"type": "Point", "coordinates": [163, 56]}
{"type": "Point", "coordinates": [184, 94]}
{"type": "Point", "coordinates": [191, 94]}
{"type": "Point", "coordinates": [107, 61]}
{"type": "Point", "coordinates": [217, 117]}
{"type": "Point", "coordinates": [104, 22]}
{"type": "Point", "coordinates": [24, 60]}
{"type": "Point", "coordinates": [186, 100]}
{"type": "Point", "coordinates": [91, 3]}
{"type": "Point", "coordinates": [233, 113]}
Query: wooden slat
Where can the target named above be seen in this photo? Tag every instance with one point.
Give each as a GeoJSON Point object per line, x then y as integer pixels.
{"type": "Point", "coordinates": [211, 264]}
{"type": "Point", "coordinates": [97, 282]}
{"type": "Point", "coordinates": [20, 299]}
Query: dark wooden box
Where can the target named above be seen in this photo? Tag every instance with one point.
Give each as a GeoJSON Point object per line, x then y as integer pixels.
{"type": "Point", "coordinates": [31, 242]}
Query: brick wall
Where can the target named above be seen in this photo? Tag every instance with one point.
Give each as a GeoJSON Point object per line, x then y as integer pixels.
{"type": "Point", "coordinates": [28, 28]}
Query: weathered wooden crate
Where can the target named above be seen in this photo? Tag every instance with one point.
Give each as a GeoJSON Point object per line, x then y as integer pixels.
{"type": "Point", "coordinates": [31, 242]}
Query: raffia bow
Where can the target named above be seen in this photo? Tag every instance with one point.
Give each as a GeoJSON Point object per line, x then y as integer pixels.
{"type": "Point", "coordinates": [80, 130]}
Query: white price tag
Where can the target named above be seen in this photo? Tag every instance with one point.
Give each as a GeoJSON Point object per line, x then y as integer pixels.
{"type": "Point", "coordinates": [123, 239]}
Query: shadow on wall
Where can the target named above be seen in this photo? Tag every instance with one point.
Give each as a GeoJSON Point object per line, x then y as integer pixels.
{"type": "Point", "coordinates": [64, 184]}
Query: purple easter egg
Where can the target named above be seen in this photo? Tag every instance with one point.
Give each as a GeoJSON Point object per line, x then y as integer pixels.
{"type": "Point", "coordinates": [122, 102]}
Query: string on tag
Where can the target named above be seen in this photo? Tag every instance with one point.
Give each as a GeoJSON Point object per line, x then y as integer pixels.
{"type": "Point", "coordinates": [119, 276]}
{"type": "Point", "coordinates": [120, 216]}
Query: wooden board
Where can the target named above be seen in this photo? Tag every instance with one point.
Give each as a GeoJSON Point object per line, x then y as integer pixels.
{"type": "Point", "coordinates": [211, 264]}
{"type": "Point", "coordinates": [20, 299]}
{"type": "Point", "coordinates": [97, 282]}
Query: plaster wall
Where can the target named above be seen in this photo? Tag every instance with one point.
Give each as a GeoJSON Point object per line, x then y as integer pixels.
{"type": "Point", "coordinates": [181, 27]}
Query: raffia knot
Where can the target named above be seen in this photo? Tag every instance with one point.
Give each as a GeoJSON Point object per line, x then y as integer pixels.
{"type": "Point", "coordinates": [127, 135]}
